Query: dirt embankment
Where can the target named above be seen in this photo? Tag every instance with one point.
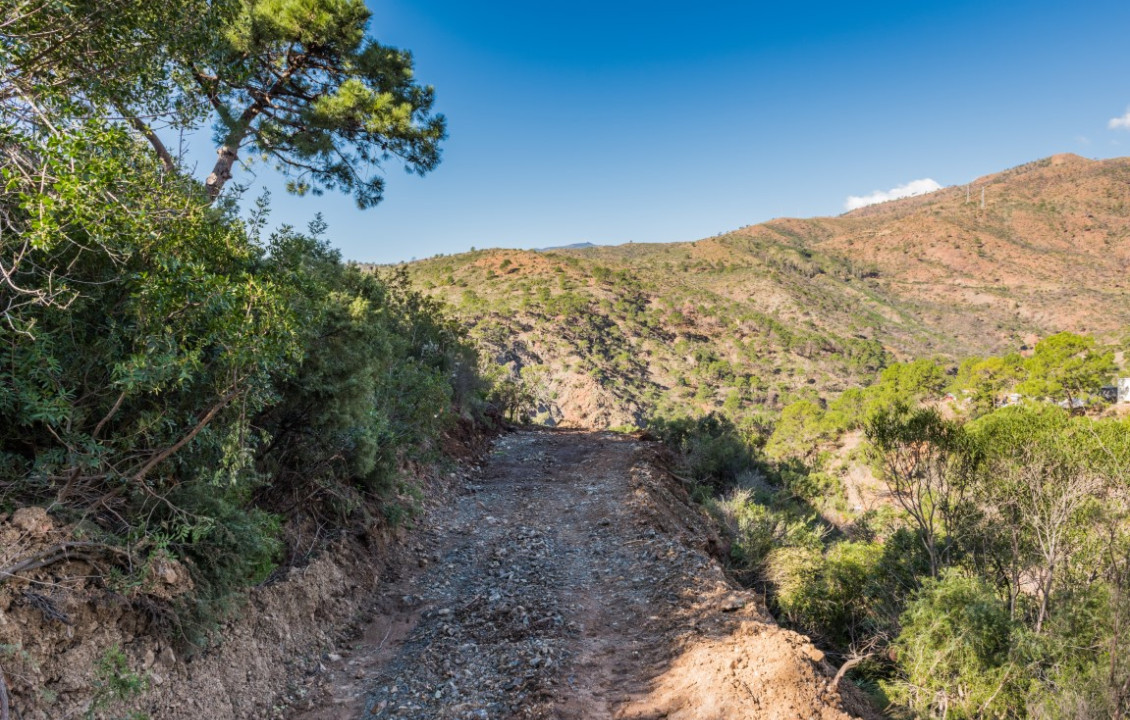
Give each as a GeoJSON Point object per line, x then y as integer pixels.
{"type": "Point", "coordinates": [572, 579]}
{"type": "Point", "coordinates": [59, 624]}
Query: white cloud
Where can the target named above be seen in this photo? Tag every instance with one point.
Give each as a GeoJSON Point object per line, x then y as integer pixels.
{"type": "Point", "coordinates": [1120, 123]}
{"type": "Point", "coordinates": [914, 187]}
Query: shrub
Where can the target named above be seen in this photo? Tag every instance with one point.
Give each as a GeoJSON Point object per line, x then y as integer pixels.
{"type": "Point", "coordinates": [712, 449]}
{"type": "Point", "coordinates": [954, 651]}
{"type": "Point", "coordinates": [178, 386]}
{"type": "Point", "coordinates": [115, 684]}
{"type": "Point", "coordinates": [759, 529]}
{"type": "Point", "coordinates": [828, 594]}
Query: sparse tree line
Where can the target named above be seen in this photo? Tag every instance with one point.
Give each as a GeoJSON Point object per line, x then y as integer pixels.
{"type": "Point", "coordinates": [177, 381]}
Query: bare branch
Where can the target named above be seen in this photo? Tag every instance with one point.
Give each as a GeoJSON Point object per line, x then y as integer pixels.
{"type": "Point", "coordinates": [851, 662]}
{"type": "Point", "coordinates": [3, 697]}
{"type": "Point", "coordinates": [59, 553]}
{"type": "Point", "coordinates": [162, 151]}
{"type": "Point", "coordinates": [172, 449]}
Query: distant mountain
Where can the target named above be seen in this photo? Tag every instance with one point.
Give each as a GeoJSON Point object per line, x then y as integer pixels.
{"type": "Point", "coordinates": [793, 308]}
{"type": "Point", "coordinates": [574, 246]}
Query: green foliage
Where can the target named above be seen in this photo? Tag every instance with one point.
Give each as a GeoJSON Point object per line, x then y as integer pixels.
{"type": "Point", "coordinates": [954, 648]}
{"type": "Point", "coordinates": [760, 529]}
{"type": "Point", "coordinates": [182, 387]}
{"type": "Point", "coordinates": [847, 412]}
{"type": "Point", "coordinates": [1066, 366]}
{"type": "Point", "coordinates": [295, 82]}
{"type": "Point", "coordinates": [226, 543]}
{"type": "Point", "coordinates": [929, 464]}
{"type": "Point", "coordinates": [115, 684]}
{"type": "Point", "coordinates": [986, 379]}
{"type": "Point", "coordinates": [298, 82]}
{"type": "Point", "coordinates": [906, 383]}
{"type": "Point", "coordinates": [143, 338]}
{"type": "Point", "coordinates": [1046, 476]}
{"type": "Point", "coordinates": [804, 426]}
{"type": "Point", "coordinates": [798, 432]}
{"type": "Point", "coordinates": [815, 487]}
{"type": "Point", "coordinates": [71, 57]}
{"type": "Point", "coordinates": [712, 449]}
{"type": "Point", "coordinates": [829, 593]}
{"type": "Point", "coordinates": [377, 377]}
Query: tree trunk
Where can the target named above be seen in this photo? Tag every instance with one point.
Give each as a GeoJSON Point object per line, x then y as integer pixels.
{"type": "Point", "coordinates": [1046, 584]}
{"type": "Point", "coordinates": [221, 172]}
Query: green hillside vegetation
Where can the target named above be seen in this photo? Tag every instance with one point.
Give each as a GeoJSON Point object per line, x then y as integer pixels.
{"type": "Point", "coordinates": [181, 388]}
{"type": "Point", "coordinates": [991, 580]}
{"type": "Point", "coordinates": [660, 328]}
{"type": "Point", "coordinates": [186, 393]}
{"type": "Point", "coordinates": [759, 317]}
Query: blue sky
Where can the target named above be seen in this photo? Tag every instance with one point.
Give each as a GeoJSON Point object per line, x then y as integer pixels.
{"type": "Point", "coordinates": [610, 122]}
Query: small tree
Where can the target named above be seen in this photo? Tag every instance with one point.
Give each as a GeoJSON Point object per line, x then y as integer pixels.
{"type": "Point", "coordinates": [798, 432]}
{"type": "Point", "coordinates": [928, 464]}
{"type": "Point", "coordinates": [1066, 366]}
{"type": "Point", "coordinates": [987, 378]}
{"type": "Point", "coordinates": [1043, 477]}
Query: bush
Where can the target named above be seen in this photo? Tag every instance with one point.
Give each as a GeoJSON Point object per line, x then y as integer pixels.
{"type": "Point", "coordinates": [712, 449]}
{"type": "Point", "coordinates": [954, 651]}
{"type": "Point", "coordinates": [829, 595]}
{"type": "Point", "coordinates": [227, 546]}
{"type": "Point", "coordinates": [178, 387]}
{"type": "Point", "coordinates": [759, 529]}
{"type": "Point", "coordinates": [816, 488]}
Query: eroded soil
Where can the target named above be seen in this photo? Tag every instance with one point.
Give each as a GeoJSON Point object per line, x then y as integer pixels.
{"type": "Point", "coordinates": [571, 578]}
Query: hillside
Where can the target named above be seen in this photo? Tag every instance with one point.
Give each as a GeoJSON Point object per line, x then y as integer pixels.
{"type": "Point", "coordinates": [792, 308]}
{"type": "Point", "coordinates": [1048, 252]}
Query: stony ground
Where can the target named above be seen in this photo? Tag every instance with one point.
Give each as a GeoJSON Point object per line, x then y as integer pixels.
{"type": "Point", "coordinates": [570, 579]}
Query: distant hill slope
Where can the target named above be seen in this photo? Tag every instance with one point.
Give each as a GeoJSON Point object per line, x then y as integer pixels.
{"type": "Point", "coordinates": [574, 246]}
{"type": "Point", "coordinates": [753, 319]}
{"type": "Point", "coordinates": [1049, 251]}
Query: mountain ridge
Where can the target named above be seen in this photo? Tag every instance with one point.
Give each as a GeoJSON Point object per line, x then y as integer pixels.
{"type": "Point", "coordinates": [798, 307]}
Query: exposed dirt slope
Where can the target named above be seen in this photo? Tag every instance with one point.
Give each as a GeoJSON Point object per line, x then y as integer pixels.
{"type": "Point", "coordinates": [55, 630]}
{"type": "Point", "coordinates": [573, 579]}
{"type": "Point", "coordinates": [58, 623]}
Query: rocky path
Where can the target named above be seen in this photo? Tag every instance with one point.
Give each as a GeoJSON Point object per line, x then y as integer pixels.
{"type": "Point", "coordinates": [570, 579]}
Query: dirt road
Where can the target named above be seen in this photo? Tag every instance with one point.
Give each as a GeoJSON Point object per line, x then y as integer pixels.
{"type": "Point", "coordinates": [570, 579]}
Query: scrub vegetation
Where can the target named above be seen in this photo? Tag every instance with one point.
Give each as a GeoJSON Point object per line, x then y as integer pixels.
{"type": "Point", "coordinates": [182, 388]}
{"type": "Point", "coordinates": [987, 577]}
{"type": "Point", "coordinates": [928, 480]}
{"type": "Point", "coordinates": [914, 461]}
